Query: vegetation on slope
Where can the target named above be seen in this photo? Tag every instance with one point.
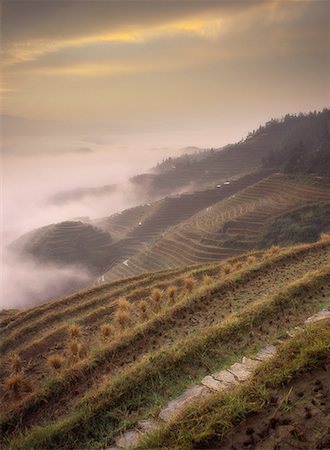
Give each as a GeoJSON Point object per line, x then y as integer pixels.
{"type": "Point", "coordinates": [134, 372]}
{"type": "Point", "coordinates": [205, 425]}
{"type": "Point", "coordinates": [301, 225]}
{"type": "Point", "coordinates": [226, 228]}
{"type": "Point", "coordinates": [275, 144]}
{"type": "Point", "coordinates": [70, 242]}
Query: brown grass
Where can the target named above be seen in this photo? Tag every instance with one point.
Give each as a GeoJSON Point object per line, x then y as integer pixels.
{"type": "Point", "coordinates": [17, 384]}
{"type": "Point", "coordinates": [189, 283]}
{"type": "Point", "coordinates": [251, 259]}
{"type": "Point", "coordinates": [143, 309]}
{"type": "Point", "coordinates": [238, 265]}
{"type": "Point", "coordinates": [274, 249]}
{"type": "Point", "coordinates": [74, 347]}
{"type": "Point", "coordinates": [156, 297]}
{"type": "Point", "coordinates": [171, 293]}
{"type": "Point", "coordinates": [124, 305]}
{"type": "Point", "coordinates": [106, 330]}
{"type": "Point", "coordinates": [227, 268]}
{"type": "Point", "coordinates": [15, 363]}
{"type": "Point", "coordinates": [325, 237]}
{"type": "Point", "coordinates": [74, 331]}
{"type": "Point", "coordinates": [122, 318]}
{"type": "Point", "coordinates": [207, 279]}
{"type": "Point", "coordinates": [55, 362]}
{"type": "Point", "coordinates": [83, 351]}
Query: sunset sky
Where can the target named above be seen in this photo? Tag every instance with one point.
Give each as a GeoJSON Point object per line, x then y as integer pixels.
{"type": "Point", "coordinates": [164, 66]}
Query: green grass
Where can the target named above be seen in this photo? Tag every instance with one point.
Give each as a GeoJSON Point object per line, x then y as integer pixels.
{"type": "Point", "coordinates": [200, 425]}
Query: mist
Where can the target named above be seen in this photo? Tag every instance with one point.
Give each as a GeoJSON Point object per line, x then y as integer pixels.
{"type": "Point", "coordinates": [38, 169]}
{"type": "Point", "coordinates": [27, 283]}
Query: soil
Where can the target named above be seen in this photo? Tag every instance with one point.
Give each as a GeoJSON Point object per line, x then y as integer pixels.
{"type": "Point", "coordinates": [298, 417]}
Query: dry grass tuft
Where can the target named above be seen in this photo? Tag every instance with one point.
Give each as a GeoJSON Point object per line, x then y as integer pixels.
{"type": "Point", "coordinates": [122, 318]}
{"type": "Point", "coordinates": [124, 305]}
{"type": "Point", "coordinates": [74, 331]}
{"type": "Point", "coordinates": [143, 308]}
{"type": "Point", "coordinates": [207, 279]}
{"type": "Point", "coordinates": [274, 249]}
{"type": "Point", "coordinates": [15, 363]}
{"type": "Point", "coordinates": [238, 265]}
{"type": "Point", "coordinates": [83, 351]}
{"type": "Point", "coordinates": [106, 330]}
{"type": "Point", "coordinates": [189, 283]}
{"type": "Point", "coordinates": [16, 384]}
{"type": "Point", "coordinates": [325, 237]}
{"type": "Point", "coordinates": [74, 347]}
{"type": "Point", "coordinates": [55, 362]}
{"type": "Point", "coordinates": [227, 268]}
{"type": "Point", "coordinates": [171, 293]}
{"type": "Point", "coordinates": [251, 259]}
{"type": "Point", "coordinates": [156, 297]}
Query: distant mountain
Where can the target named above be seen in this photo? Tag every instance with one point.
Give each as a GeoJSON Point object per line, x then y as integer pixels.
{"type": "Point", "coordinates": [274, 145]}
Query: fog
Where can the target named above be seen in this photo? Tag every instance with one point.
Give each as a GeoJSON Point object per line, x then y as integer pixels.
{"type": "Point", "coordinates": [37, 168]}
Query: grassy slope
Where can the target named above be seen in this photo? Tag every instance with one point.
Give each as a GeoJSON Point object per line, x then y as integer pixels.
{"type": "Point", "coordinates": [211, 421]}
{"type": "Point", "coordinates": [301, 225]}
{"type": "Point", "coordinates": [120, 378]}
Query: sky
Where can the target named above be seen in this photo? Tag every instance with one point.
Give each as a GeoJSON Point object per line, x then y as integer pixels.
{"type": "Point", "coordinates": [197, 71]}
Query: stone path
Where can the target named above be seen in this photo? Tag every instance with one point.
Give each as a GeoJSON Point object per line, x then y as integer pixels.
{"type": "Point", "coordinates": [237, 373]}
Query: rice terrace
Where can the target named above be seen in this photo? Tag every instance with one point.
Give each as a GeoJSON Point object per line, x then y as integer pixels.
{"type": "Point", "coordinates": [165, 234]}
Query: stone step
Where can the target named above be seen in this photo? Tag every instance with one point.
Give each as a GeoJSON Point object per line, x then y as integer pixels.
{"type": "Point", "coordinates": [321, 315]}
{"type": "Point", "coordinates": [188, 397]}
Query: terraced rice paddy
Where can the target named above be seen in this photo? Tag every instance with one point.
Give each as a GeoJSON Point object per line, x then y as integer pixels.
{"type": "Point", "coordinates": [142, 225]}
{"type": "Point", "coordinates": [165, 346]}
{"type": "Point", "coordinates": [223, 229]}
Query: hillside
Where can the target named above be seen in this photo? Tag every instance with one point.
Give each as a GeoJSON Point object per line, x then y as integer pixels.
{"type": "Point", "coordinates": [95, 364]}
{"type": "Point", "coordinates": [68, 243]}
{"type": "Point", "coordinates": [228, 227]}
{"type": "Point", "coordinates": [301, 225]}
